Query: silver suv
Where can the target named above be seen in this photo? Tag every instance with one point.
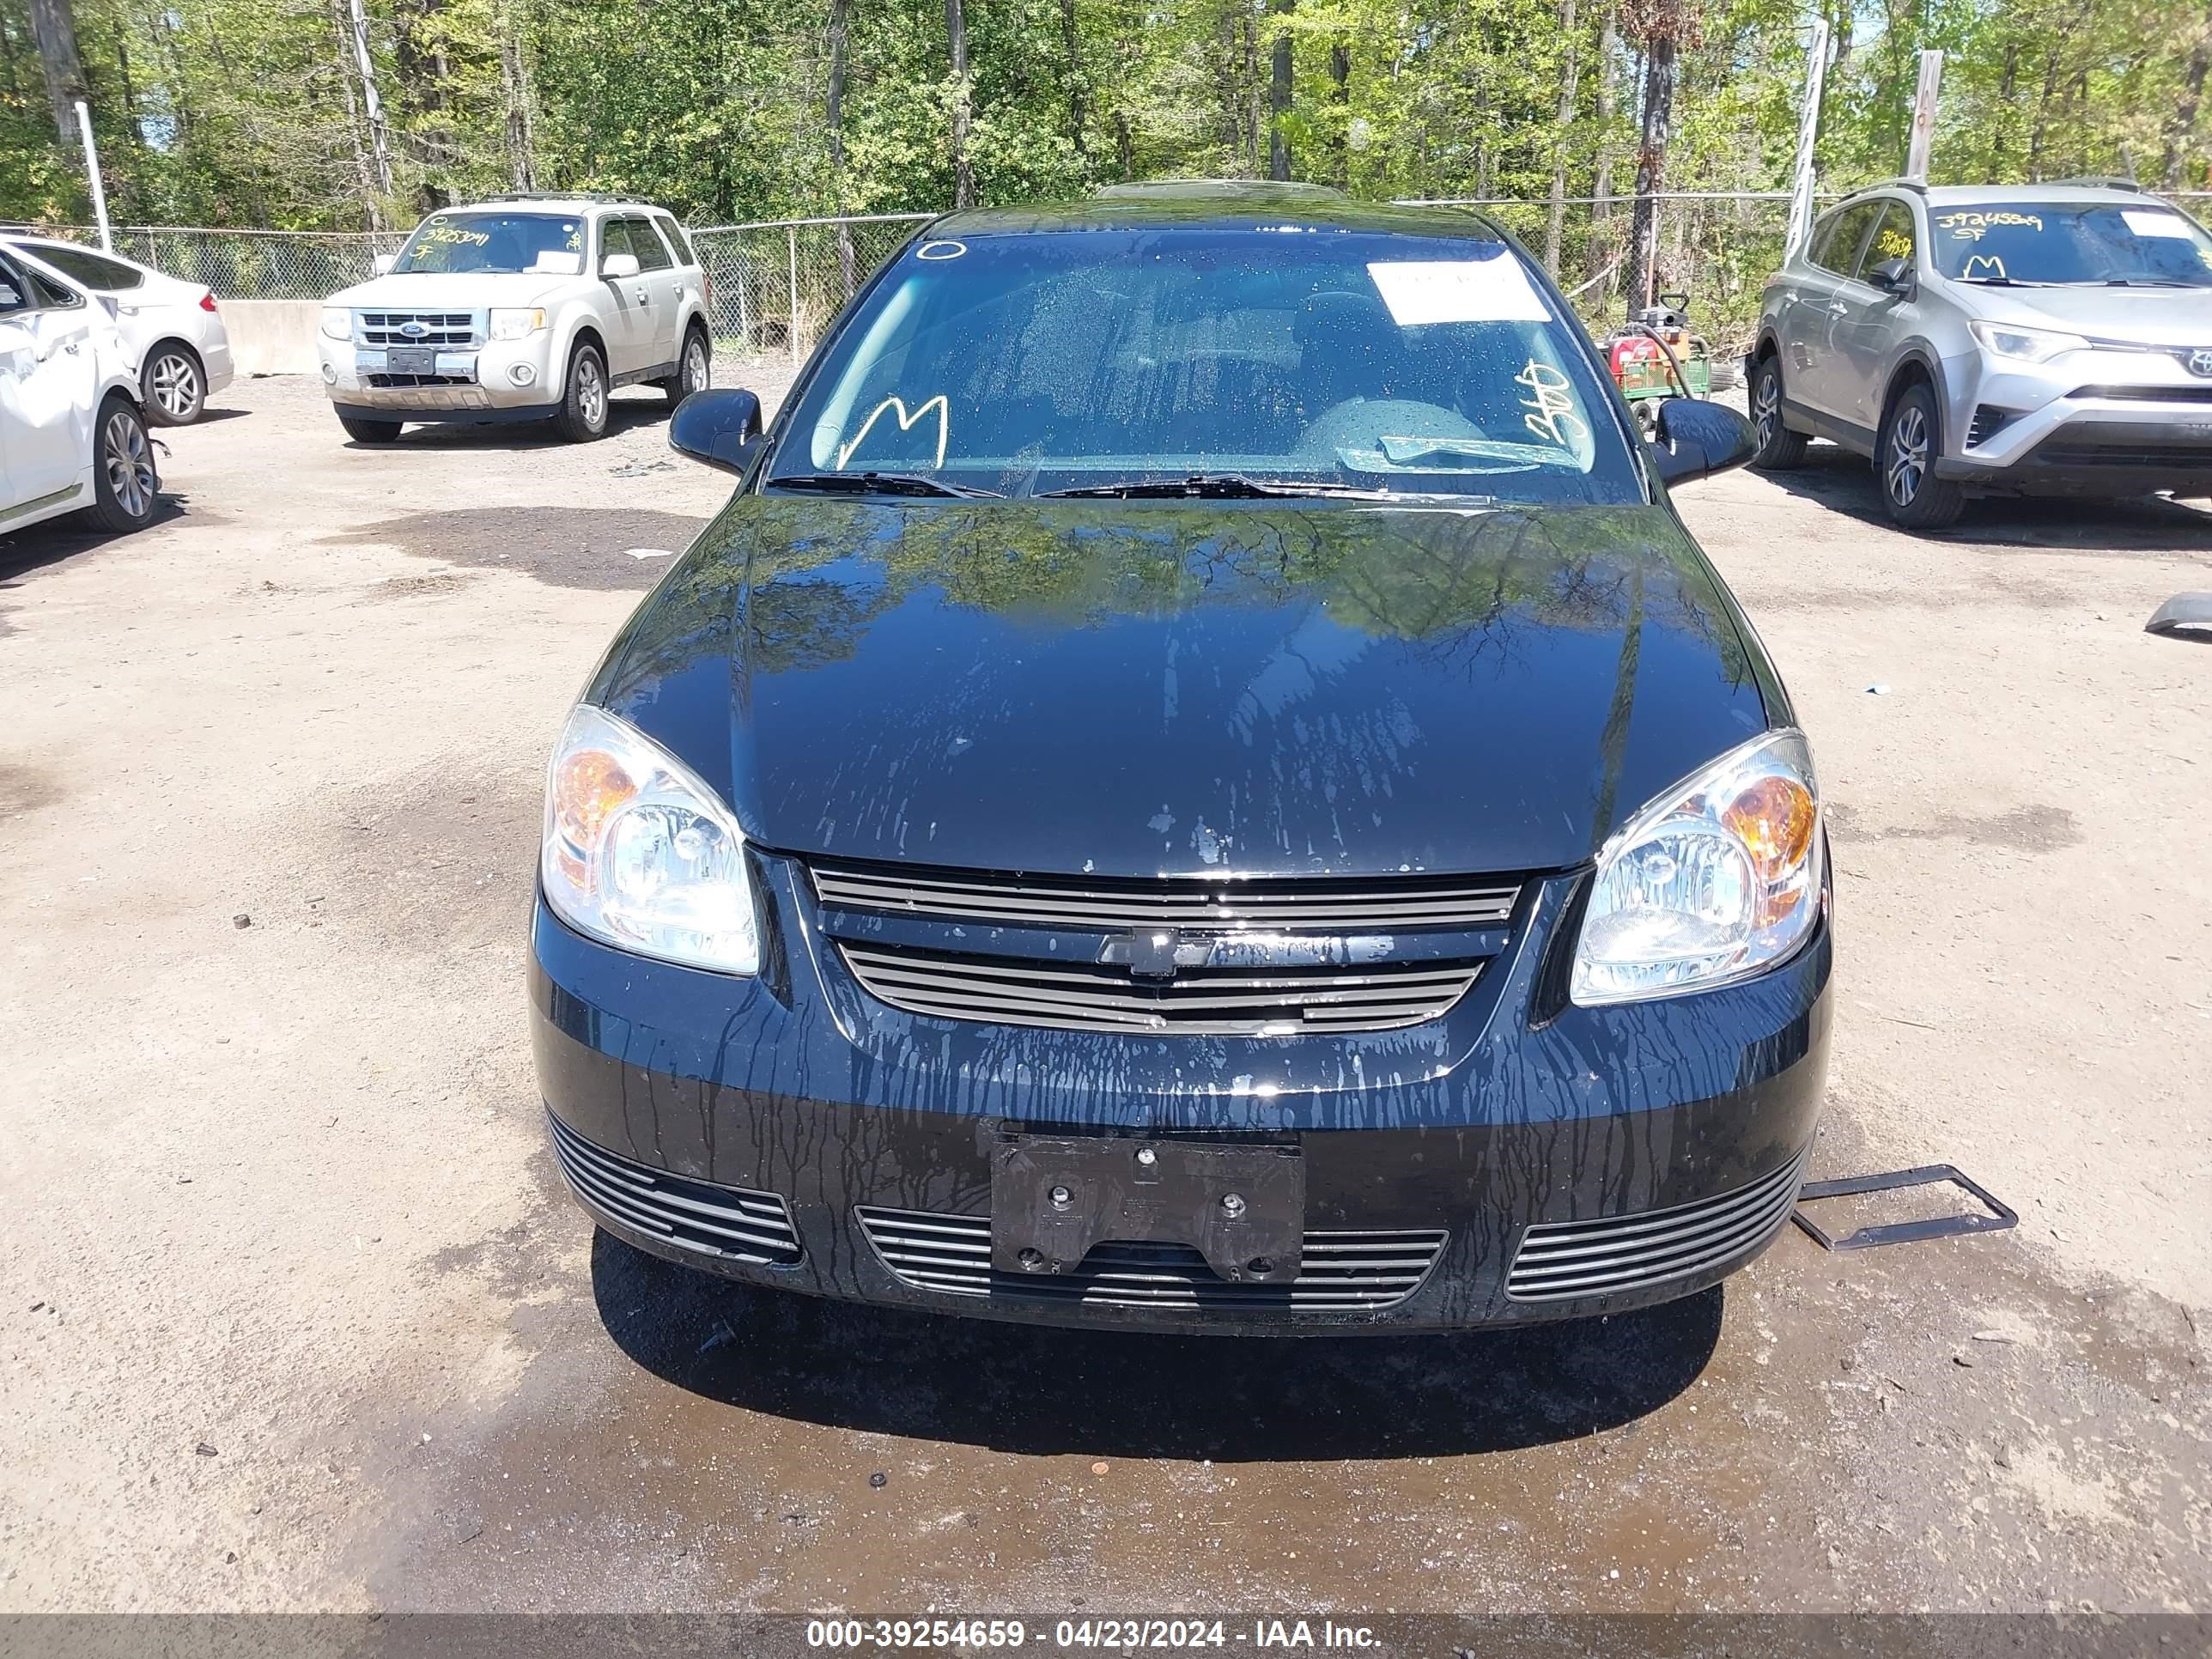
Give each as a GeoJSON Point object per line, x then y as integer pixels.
{"type": "Point", "coordinates": [519, 308]}
{"type": "Point", "coordinates": [2043, 338]}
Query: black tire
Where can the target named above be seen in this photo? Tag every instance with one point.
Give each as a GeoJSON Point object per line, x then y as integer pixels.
{"type": "Point", "coordinates": [695, 369]}
{"type": "Point", "coordinates": [369, 432]}
{"type": "Point", "coordinates": [173, 385]}
{"type": "Point", "coordinates": [1905, 463]}
{"type": "Point", "coordinates": [583, 415]}
{"type": "Point", "coordinates": [1780, 448]}
{"type": "Point", "coordinates": [125, 483]}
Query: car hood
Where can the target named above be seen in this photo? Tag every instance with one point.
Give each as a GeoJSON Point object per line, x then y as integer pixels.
{"type": "Point", "coordinates": [2145, 316]}
{"type": "Point", "coordinates": [434, 291]}
{"type": "Point", "coordinates": [1169, 688]}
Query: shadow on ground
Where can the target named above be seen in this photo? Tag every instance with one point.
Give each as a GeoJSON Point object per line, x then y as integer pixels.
{"type": "Point", "coordinates": [585, 547]}
{"type": "Point", "coordinates": [1044, 1391]}
{"type": "Point", "coordinates": [73, 534]}
{"type": "Point", "coordinates": [1837, 478]}
{"type": "Point", "coordinates": [622, 415]}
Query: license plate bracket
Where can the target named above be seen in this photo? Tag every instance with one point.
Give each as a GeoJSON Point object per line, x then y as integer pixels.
{"type": "Point", "coordinates": [1240, 1206]}
{"type": "Point", "coordinates": [410, 360]}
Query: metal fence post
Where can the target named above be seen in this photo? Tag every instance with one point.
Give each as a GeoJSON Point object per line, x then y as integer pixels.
{"type": "Point", "coordinates": [791, 329]}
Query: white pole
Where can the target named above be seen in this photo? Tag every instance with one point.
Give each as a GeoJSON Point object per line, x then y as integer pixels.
{"type": "Point", "coordinates": [1924, 115]}
{"type": "Point", "coordinates": [92, 166]}
{"type": "Point", "coordinates": [792, 332]}
{"type": "Point", "coordinates": [370, 102]}
{"type": "Point", "coordinates": [1809, 129]}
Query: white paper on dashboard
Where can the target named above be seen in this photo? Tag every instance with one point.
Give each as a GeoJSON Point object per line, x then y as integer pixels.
{"type": "Point", "coordinates": [1493, 290]}
{"type": "Point", "coordinates": [2156, 224]}
{"type": "Point", "coordinates": [556, 265]}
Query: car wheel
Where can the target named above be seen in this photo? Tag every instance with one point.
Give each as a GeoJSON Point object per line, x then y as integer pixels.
{"type": "Point", "coordinates": [1780, 448]}
{"type": "Point", "coordinates": [176, 390]}
{"type": "Point", "coordinates": [125, 485]}
{"type": "Point", "coordinates": [696, 371]}
{"type": "Point", "coordinates": [369, 432]}
{"type": "Point", "coordinates": [583, 414]}
{"type": "Point", "coordinates": [1905, 464]}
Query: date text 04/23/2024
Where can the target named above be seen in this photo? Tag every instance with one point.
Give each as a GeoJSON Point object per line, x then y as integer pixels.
{"type": "Point", "coordinates": [1107, 1634]}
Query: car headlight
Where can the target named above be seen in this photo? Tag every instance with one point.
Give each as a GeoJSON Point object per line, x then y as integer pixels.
{"type": "Point", "coordinates": [1718, 880]}
{"type": "Point", "coordinates": [337, 323]}
{"type": "Point", "coordinates": [2033, 345]}
{"type": "Point", "coordinates": [639, 854]}
{"type": "Point", "coordinates": [516, 325]}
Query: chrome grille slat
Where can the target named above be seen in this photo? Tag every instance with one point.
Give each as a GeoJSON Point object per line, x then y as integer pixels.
{"type": "Point", "coordinates": [1558, 1260]}
{"type": "Point", "coordinates": [446, 329]}
{"type": "Point", "coordinates": [1339, 1272]}
{"type": "Point", "coordinates": [1318, 906]}
{"type": "Point", "coordinates": [730, 1222]}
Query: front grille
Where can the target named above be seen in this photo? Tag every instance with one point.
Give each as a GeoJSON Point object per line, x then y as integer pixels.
{"type": "Point", "coordinates": [1559, 1260]}
{"type": "Point", "coordinates": [440, 328]}
{"type": "Point", "coordinates": [728, 1222]}
{"type": "Point", "coordinates": [1313, 907]}
{"type": "Point", "coordinates": [393, 382]}
{"type": "Point", "coordinates": [1208, 1001]}
{"type": "Point", "coordinates": [2147, 394]}
{"type": "Point", "coordinates": [1338, 1272]}
{"type": "Point", "coordinates": [1263, 957]}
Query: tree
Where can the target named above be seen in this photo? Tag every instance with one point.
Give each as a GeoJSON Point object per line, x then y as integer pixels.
{"type": "Point", "coordinates": [55, 25]}
{"type": "Point", "coordinates": [1662, 28]}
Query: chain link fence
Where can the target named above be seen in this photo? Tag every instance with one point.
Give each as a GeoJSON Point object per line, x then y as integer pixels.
{"type": "Point", "coordinates": [776, 284]}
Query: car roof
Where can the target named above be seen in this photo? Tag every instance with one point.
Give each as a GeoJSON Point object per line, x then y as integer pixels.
{"type": "Point", "coordinates": [31, 241]}
{"type": "Point", "coordinates": [1223, 204]}
{"type": "Point", "coordinates": [578, 205]}
{"type": "Point", "coordinates": [2052, 194]}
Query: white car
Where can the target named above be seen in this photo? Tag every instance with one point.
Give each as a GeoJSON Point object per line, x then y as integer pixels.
{"type": "Point", "coordinates": [170, 328]}
{"type": "Point", "coordinates": [519, 308]}
{"type": "Point", "coordinates": [72, 434]}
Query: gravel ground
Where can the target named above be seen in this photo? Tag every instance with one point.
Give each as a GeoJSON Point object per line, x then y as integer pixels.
{"type": "Point", "coordinates": [298, 1316]}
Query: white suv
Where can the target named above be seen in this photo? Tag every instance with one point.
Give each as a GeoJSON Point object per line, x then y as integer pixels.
{"type": "Point", "coordinates": [519, 308]}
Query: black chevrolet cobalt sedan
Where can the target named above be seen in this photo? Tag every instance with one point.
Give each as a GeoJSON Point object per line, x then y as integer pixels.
{"type": "Point", "coordinates": [1198, 783]}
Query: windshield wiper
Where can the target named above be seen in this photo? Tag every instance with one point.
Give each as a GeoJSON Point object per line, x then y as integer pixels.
{"type": "Point", "coordinates": [2145, 282]}
{"type": "Point", "coordinates": [880, 483]}
{"type": "Point", "coordinates": [1233, 486]}
{"type": "Point", "coordinates": [2004, 282]}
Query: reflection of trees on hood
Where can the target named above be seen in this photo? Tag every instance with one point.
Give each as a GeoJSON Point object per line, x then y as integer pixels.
{"type": "Point", "coordinates": [807, 577]}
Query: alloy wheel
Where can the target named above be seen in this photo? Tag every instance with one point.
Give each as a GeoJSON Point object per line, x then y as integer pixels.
{"type": "Point", "coordinates": [176, 386]}
{"type": "Point", "coordinates": [694, 365]}
{"type": "Point", "coordinates": [590, 391]}
{"type": "Point", "coordinates": [1908, 455]}
{"type": "Point", "coordinates": [1767, 407]}
{"type": "Point", "coordinates": [129, 463]}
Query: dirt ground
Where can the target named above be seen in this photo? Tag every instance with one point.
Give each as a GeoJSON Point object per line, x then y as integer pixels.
{"type": "Point", "coordinates": [297, 1314]}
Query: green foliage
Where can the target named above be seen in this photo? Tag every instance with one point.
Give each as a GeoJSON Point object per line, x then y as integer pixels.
{"type": "Point", "coordinates": [252, 112]}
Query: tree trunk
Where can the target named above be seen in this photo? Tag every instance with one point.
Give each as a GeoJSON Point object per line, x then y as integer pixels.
{"type": "Point", "coordinates": [1570, 66]}
{"type": "Point", "coordinates": [372, 106]}
{"type": "Point", "coordinates": [1662, 71]}
{"type": "Point", "coordinates": [833, 117]}
{"type": "Point", "coordinates": [1071, 41]}
{"type": "Point", "coordinates": [55, 26]}
{"type": "Point", "coordinates": [1125, 145]}
{"type": "Point", "coordinates": [1339, 77]}
{"type": "Point", "coordinates": [1600, 251]}
{"type": "Point", "coordinates": [1278, 96]}
{"type": "Point", "coordinates": [514, 91]}
{"type": "Point", "coordinates": [2177, 131]}
{"type": "Point", "coordinates": [956, 39]}
{"type": "Point", "coordinates": [364, 170]}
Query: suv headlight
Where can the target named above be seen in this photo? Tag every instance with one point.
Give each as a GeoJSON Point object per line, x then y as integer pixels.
{"type": "Point", "coordinates": [337, 323]}
{"type": "Point", "coordinates": [1716, 880]}
{"type": "Point", "coordinates": [2032, 345]}
{"type": "Point", "coordinates": [516, 325]}
{"type": "Point", "coordinates": [639, 854]}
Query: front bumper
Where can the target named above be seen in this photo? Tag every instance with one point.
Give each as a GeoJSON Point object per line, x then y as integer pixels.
{"type": "Point", "coordinates": [792, 1131]}
{"type": "Point", "coordinates": [2102, 423]}
{"type": "Point", "coordinates": [509, 380]}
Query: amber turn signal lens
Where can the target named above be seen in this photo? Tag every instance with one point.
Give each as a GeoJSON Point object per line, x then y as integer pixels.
{"type": "Point", "coordinates": [589, 787]}
{"type": "Point", "coordinates": [1774, 818]}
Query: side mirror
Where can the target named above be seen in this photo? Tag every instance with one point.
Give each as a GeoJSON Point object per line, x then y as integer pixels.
{"type": "Point", "coordinates": [1696, 439]}
{"type": "Point", "coordinates": [618, 265]}
{"type": "Point", "coordinates": [1892, 275]}
{"type": "Point", "coordinates": [720, 426]}
{"type": "Point", "coordinates": [383, 264]}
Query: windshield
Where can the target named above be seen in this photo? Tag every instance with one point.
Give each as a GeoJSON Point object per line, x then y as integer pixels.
{"type": "Point", "coordinates": [2071, 242]}
{"type": "Point", "coordinates": [543, 243]}
{"type": "Point", "coordinates": [1027, 364]}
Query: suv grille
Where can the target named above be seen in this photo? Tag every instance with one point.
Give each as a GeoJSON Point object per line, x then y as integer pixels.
{"type": "Point", "coordinates": [722, 1221]}
{"type": "Point", "coordinates": [1264, 958]}
{"type": "Point", "coordinates": [439, 328]}
{"type": "Point", "coordinates": [1338, 1272]}
{"type": "Point", "coordinates": [1559, 1260]}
